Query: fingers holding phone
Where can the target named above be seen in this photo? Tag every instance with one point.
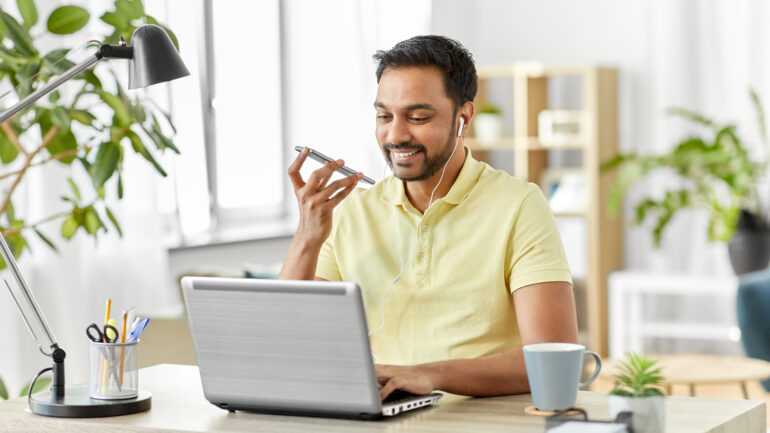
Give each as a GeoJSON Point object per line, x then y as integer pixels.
{"type": "Point", "coordinates": [317, 198]}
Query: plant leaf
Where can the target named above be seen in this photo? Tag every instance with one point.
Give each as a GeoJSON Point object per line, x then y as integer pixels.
{"type": "Point", "coordinates": [10, 212]}
{"type": "Point", "coordinates": [61, 118]}
{"type": "Point", "coordinates": [132, 9]}
{"type": "Point", "coordinates": [83, 116]}
{"type": "Point", "coordinates": [114, 221]}
{"type": "Point", "coordinates": [63, 141]}
{"type": "Point", "coordinates": [45, 239]}
{"type": "Point", "coordinates": [8, 152]}
{"type": "Point", "coordinates": [74, 188]}
{"type": "Point", "coordinates": [92, 222]}
{"type": "Point", "coordinates": [19, 35]}
{"type": "Point", "coordinates": [25, 76]}
{"type": "Point", "coordinates": [69, 227]}
{"type": "Point", "coordinates": [56, 61]}
{"type": "Point", "coordinates": [116, 103]}
{"type": "Point", "coordinates": [28, 12]}
{"type": "Point", "coordinates": [3, 30]}
{"type": "Point", "coordinates": [40, 385]}
{"type": "Point", "coordinates": [760, 113]}
{"type": "Point", "coordinates": [116, 20]}
{"type": "Point", "coordinates": [141, 149]}
{"type": "Point", "coordinates": [120, 184]}
{"type": "Point", "coordinates": [65, 20]}
{"type": "Point", "coordinates": [690, 115]}
{"type": "Point", "coordinates": [105, 163]}
{"type": "Point", "coordinates": [3, 390]}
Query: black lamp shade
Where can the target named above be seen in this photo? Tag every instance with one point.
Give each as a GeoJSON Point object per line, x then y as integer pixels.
{"type": "Point", "coordinates": [156, 60]}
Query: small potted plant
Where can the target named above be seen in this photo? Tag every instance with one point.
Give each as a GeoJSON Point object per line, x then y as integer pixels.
{"type": "Point", "coordinates": [488, 125]}
{"type": "Point", "coordinates": [638, 390]}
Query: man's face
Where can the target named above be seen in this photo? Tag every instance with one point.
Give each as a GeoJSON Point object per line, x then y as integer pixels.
{"type": "Point", "coordinates": [415, 121]}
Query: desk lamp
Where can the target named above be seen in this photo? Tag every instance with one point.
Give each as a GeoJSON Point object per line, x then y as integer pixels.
{"type": "Point", "coordinates": [152, 59]}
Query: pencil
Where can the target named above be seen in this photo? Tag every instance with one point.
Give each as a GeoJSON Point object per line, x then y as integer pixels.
{"type": "Point", "coordinates": [102, 368]}
{"type": "Point", "coordinates": [123, 348]}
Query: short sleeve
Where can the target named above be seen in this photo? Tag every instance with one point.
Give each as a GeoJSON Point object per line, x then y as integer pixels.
{"type": "Point", "coordinates": [536, 251]}
{"type": "Point", "coordinates": [328, 266]}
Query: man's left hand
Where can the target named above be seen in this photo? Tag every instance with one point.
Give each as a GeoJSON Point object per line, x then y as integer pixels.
{"type": "Point", "coordinates": [416, 379]}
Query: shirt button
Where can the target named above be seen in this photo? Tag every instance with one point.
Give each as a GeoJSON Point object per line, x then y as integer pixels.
{"type": "Point", "coordinates": [424, 228]}
{"type": "Point", "coordinates": [421, 257]}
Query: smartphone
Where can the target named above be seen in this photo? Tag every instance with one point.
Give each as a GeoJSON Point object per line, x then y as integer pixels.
{"type": "Point", "coordinates": [323, 159]}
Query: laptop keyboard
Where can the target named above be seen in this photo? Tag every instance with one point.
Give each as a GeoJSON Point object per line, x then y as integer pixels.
{"type": "Point", "coordinates": [398, 396]}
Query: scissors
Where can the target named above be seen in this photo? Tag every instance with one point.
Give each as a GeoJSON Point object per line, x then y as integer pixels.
{"type": "Point", "coordinates": [102, 336]}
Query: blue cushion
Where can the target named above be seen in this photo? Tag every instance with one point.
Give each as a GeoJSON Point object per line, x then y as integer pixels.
{"type": "Point", "coordinates": [753, 304]}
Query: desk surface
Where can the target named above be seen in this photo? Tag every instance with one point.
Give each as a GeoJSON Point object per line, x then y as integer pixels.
{"type": "Point", "coordinates": [178, 406]}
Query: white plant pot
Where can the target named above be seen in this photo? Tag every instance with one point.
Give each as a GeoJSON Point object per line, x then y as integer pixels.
{"type": "Point", "coordinates": [488, 128]}
{"type": "Point", "coordinates": [649, 412]}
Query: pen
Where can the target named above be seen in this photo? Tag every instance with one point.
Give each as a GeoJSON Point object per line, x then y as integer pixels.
{"type": "Point", "coordinates": [123, 348]}
{"type": "Point", "coordinates": [136, 332]}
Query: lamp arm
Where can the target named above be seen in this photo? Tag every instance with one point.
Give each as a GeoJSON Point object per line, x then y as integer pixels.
{"type": "Point", "coordinates": [50, 86]}
{"type": "Point", "coordinates": [28, 299]}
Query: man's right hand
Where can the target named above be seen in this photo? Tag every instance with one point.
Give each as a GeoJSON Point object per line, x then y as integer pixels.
{"type": "Point", "coordinates": [317, 198]}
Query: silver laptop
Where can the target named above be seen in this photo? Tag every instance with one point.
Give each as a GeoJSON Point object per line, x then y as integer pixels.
{"type": "Point", "coordinates": [290, 347]}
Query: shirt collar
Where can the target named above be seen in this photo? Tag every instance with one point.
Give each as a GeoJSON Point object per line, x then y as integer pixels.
{"type": "Point", "coordinates": [393, 191]}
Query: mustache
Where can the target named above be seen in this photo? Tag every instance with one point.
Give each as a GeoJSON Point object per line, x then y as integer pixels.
{"type": "Point", "coordinates": [390, 147]}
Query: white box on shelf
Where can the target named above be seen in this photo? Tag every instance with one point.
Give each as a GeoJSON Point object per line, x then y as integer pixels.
{"type": "Point", "coordinates": [563, 127]}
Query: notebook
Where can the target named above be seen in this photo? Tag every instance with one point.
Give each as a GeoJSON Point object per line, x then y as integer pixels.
{"type": "Point", "coordinates": [289, 347]}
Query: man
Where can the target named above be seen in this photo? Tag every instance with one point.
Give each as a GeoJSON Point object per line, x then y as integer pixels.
{"type": "Point", "coordinates": [460, 265]}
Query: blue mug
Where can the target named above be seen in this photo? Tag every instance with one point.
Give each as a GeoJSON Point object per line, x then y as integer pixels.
{"type": "Point", "coordinates": [553, 371]}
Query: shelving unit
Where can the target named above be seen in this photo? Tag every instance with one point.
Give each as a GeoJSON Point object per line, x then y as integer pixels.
{"type": "Point", "coordinates": [634, 324]}
{"type": "Point", "coordinates": [604, 235]}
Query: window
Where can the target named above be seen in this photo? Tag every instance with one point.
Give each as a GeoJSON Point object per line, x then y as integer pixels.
{"type": "Point", "coordinates": [266, 76]}
{"type": "Point", "coordinates": [228, 117]}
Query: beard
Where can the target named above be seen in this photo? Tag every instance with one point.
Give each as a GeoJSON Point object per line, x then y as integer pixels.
{"type": "Point", "coordinates": [431, 164]}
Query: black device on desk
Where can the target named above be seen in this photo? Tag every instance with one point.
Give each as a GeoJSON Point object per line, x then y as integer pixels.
{"type": "Point", "coordinates": [323, 159]}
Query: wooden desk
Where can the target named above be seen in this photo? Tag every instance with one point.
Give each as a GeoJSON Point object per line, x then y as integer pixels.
{"type": "Point", "coordinates": [178, 405]}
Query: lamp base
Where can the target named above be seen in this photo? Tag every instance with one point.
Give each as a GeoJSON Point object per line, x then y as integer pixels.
{"type": "Point", "coordinates": [77, 403]}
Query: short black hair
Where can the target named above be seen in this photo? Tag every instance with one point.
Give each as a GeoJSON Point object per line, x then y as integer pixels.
{"type": "Point", "coordinates": [453, 60]}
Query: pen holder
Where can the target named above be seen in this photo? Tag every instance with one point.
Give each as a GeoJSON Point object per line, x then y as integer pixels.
{"type": "Point", "coordinates": [114, 370]}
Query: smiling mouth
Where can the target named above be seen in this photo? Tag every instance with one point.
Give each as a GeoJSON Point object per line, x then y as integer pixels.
{"type": "Point", "coordinates": [404, 155]}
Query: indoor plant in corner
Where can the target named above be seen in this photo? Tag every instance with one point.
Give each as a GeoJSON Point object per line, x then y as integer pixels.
{"type": "Point", "coordinates": [719, 175]}
{"type": "Point", "coordinates": [88, 126]}
{"type": "Point", "coordinates": [637, 390]}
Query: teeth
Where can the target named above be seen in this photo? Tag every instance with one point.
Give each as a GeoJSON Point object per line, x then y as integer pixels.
{"type": "Point", "coordinates": [404, 155]}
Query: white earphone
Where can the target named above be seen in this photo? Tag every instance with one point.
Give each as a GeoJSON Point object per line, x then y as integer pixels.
{"type": "Point", "coordinates": [460, 129]}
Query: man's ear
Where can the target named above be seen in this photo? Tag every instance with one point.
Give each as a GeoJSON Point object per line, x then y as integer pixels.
{"type": "Point", "coordinates": [466, 114]}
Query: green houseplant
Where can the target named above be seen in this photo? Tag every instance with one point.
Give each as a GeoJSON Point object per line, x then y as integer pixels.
{"type": "Point", "coordinates": [718, 175]}
{"type": "Point", "coordinates": [638, 390]}
{"type": "Point", "coordinates": [89, 125]}
{"type": "Point", "coordinates": [88, 128]}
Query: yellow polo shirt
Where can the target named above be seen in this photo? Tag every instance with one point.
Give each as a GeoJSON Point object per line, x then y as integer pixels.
{"type": "Point", "coordinates": [490, 235]}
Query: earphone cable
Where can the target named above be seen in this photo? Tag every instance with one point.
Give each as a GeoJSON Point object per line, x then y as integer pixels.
{"type": "Point", "coordinates": [398, 240]}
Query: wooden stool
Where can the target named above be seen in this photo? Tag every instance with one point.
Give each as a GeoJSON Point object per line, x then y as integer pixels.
{"type": "Point", "coordinates": [696, 369]}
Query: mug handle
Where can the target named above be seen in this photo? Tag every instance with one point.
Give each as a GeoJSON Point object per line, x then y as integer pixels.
{"type": "Point", "coordinates": [596, 372]}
